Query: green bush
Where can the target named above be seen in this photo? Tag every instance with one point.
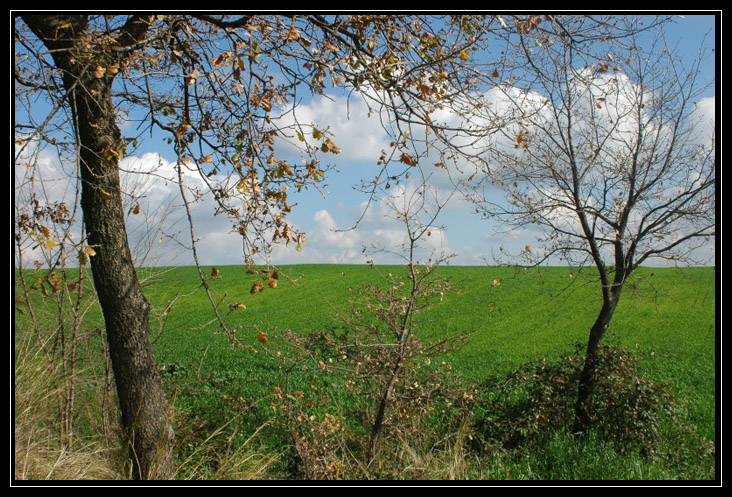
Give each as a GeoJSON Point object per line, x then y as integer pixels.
{"type": "Point", "coordinates": [524, 409]}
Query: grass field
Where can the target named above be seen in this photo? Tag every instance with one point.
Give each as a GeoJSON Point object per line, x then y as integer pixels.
{"type": "Point", "coordinates": [666, 317]}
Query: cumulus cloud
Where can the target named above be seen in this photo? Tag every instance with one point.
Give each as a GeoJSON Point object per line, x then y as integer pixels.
{"type": "Point", "coordinates": [162, 228]}
{"type": "Point", "coordinates": [356, 131]}
{"type": "Point", "coordinates": [380, 235]}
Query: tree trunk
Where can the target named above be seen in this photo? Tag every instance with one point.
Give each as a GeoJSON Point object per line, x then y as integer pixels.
{"type": "Point", "coordinates": [126, 315]}
{"type": "Point", "coordinates": [126, 312]}
{"type": "Point", "coordinates": [381, 413]}
{"type": "Point", "coordinates": [588, 376]}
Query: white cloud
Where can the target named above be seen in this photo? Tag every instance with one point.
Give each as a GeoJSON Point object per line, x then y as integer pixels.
{"type": "Point", "coordinates": [153, 180]}
{"type": "Point", "coordinates": [379, 236]}
{"type": "Point", "coordinates": [358, 133]}
{"type": "Point", "coordinates": [704, 115]}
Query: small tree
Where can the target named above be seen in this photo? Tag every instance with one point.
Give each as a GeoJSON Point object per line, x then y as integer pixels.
{"type": "Point", "coordinates": [604, 150]}
{"type": "Point", "coordinates": [392, 342]}
{"type": "Point", "coordinates": [378, 346]}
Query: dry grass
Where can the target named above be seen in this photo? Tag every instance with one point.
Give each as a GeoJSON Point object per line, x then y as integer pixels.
{"type": "Point", "coordinates": [39, 453]}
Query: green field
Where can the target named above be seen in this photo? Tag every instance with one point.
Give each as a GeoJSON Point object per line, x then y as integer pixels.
{"type": "Point", "coordinates": [666, 318]}
{"type": "Point", "coordinates": [536, 313]}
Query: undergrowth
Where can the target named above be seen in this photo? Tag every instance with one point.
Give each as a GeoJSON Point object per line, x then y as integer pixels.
{"type": "Point", "coordinates": [638, 425]}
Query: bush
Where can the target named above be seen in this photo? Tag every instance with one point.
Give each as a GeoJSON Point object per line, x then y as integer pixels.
{"type": "Point", "coordinates": [525, 408]}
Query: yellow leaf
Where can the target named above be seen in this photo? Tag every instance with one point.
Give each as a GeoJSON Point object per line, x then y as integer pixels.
{"type": "Point", "coordinates": [257, 286]}
{"type": "Point", "coordinates": [105, 193]}
{"type": "Point", "coordinates": [519, 140]}
{"type": "Point", "coordinates": [272, 282]}
{"type": "Point", "coordinates": [329, 146]}
{"type": "Point", "coordinates": [262, 338]}
{"type": "Point", "coordinates": [99, 72]}
{"type": "Point", "coordinates": [464, 55]}
{"type": "Point", "coordinates": [90, 251]}
{"type": "Point", "coordinates": [192, 77]}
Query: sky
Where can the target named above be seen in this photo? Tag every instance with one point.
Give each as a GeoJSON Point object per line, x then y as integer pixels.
{"type": "Point", "coordinates": [326, 219]}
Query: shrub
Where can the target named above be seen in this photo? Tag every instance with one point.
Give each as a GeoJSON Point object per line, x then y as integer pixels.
{"type": "Point", "coordinates": [525, 408]}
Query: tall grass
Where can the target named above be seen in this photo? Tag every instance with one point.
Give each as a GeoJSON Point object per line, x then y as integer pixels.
{"type": "Point", "coordinates": [41, 452]}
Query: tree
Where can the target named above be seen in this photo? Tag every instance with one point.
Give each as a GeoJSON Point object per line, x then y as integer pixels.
{"type": "Point", "coordinates": [223, 91]}
{"type": "Point", "coordinates": [605, 151]}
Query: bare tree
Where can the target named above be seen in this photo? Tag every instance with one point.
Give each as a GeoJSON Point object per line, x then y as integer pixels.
{"type": "Point", "coordinates": [397, 307]}
{"type": "Point", "coordinates": [222, 90]}
{"type": "Point", "coordinates": [603, 149]}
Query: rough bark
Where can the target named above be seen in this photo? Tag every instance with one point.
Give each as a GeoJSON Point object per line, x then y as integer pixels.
{"type": "Point", "coordinates": [126, 311]}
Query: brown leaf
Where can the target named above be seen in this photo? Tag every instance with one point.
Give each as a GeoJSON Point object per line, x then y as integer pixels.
{"type": "Point", "coordinates": [424, 89]}
{"type": "Point", "coordinates": [406, 159]}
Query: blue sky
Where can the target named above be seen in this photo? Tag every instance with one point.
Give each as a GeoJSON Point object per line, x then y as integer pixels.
{"type": "Point", "coordinates": [326, 219]}
{"type": "Point", "coordinates": [473, 240]}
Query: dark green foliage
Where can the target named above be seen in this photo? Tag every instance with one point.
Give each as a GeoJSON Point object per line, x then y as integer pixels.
{"type": "Point", "coordinates": [524, 409]}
